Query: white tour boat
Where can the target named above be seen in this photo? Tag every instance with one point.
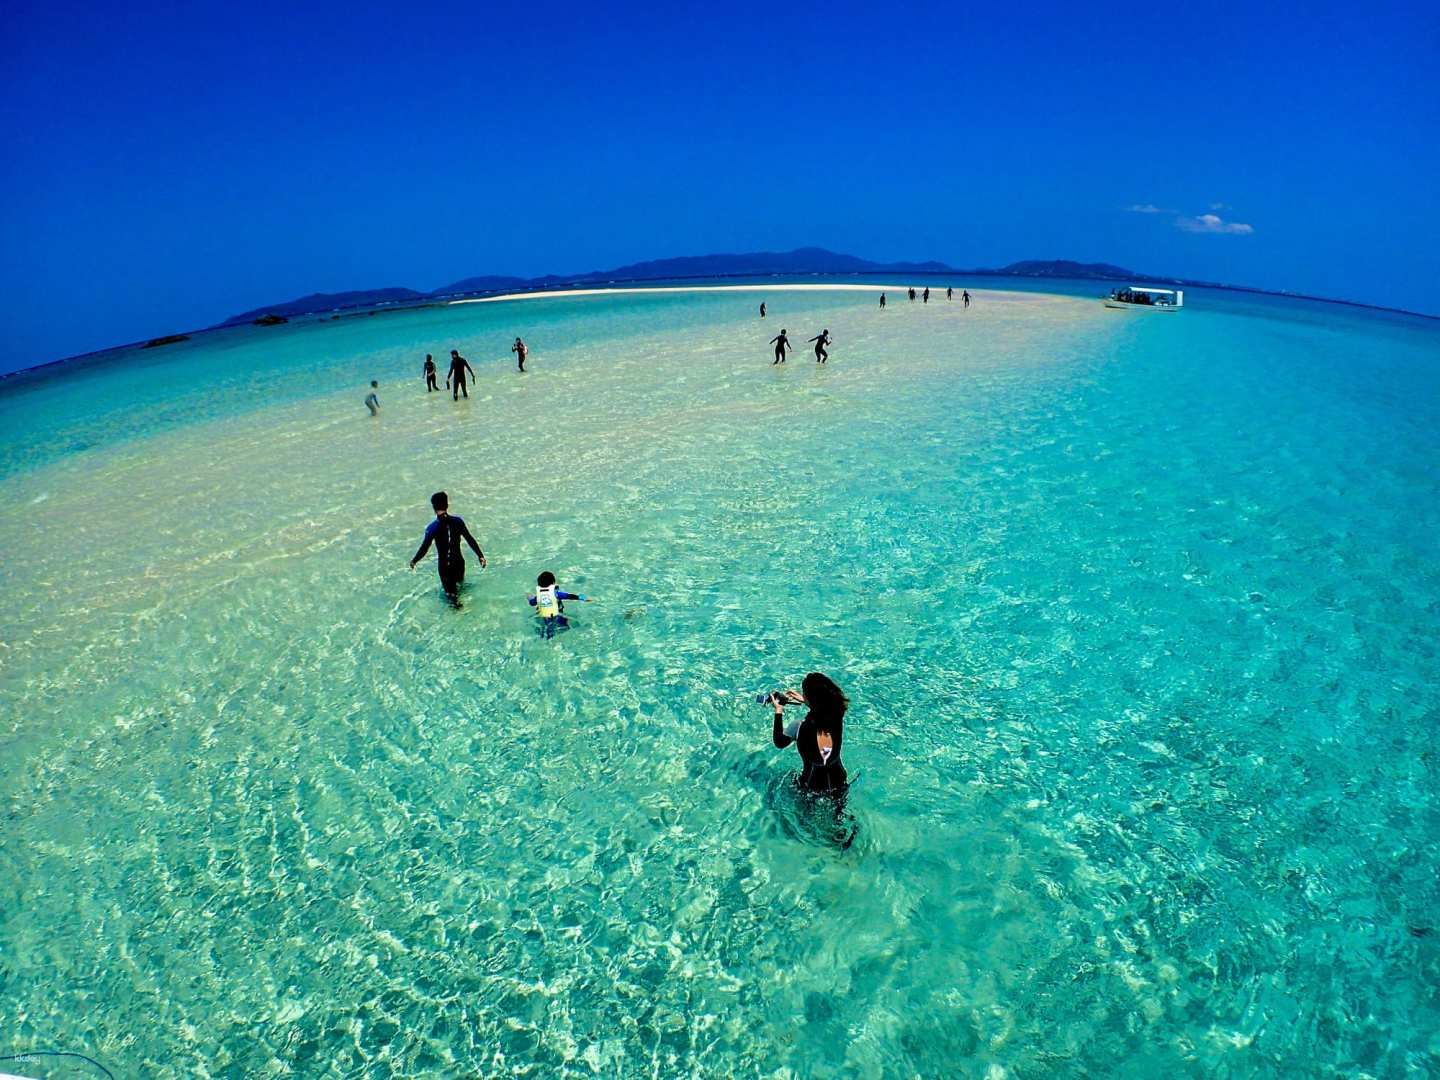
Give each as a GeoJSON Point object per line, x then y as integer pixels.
{"type": "Point", "coordinates": [1145, 298]}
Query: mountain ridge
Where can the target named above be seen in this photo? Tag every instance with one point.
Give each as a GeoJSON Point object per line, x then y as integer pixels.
{"type": "Point", "coordinates": [306, 305]}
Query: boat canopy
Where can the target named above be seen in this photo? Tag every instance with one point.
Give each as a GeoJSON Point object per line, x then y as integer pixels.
{"type": "Point", "coordinates": [1145, 289]}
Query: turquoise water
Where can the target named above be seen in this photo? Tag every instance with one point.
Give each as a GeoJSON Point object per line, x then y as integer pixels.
{"type": "Point", "coordinates": [1138, 615]}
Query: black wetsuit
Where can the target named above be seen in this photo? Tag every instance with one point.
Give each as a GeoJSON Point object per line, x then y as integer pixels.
{"type": "Point", "coordinates": [781, 343]}
{"type": "Point", "coordinates": [819, 772]}
{"type": "Point", "coordinates": [926, 298]}
{"type": "Point", "coordinates": [430, 376]}
{"type": "Point", "coordinates": [446, 533]}
{"type": "Point", "coordinates": [458, 366]}
{"type": "Point", "coordinates": [820, 342]}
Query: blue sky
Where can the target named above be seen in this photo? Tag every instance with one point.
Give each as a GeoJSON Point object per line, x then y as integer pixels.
{"type": "Point", "coordinates": [168, 166]}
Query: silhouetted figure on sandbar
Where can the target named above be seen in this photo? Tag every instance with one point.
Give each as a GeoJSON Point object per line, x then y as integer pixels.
{"type": "Point", "coordinates": [821, 340]}
{"type": "Point", "coordinates": [781, 343]}
{"type": "Point", "coordinates": [458, 367]}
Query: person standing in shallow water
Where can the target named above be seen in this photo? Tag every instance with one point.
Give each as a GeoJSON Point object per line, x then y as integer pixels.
{"type": "Point", "coordinates": [819, 736]}
{"type": "Point", "coordinates": [882, 301]}
{"type": "Point", "coordinates": [372, 400]}
{"type": "Point", "coordinates": [949, 293]}
{"type": "Point", "coordinates": [912, 296]}
{"type": "Point", "coordinates": [821, 340]}
{"type": "Point", "coordinates": [458, 367]}
{"type": "Point", "coordinates": [926, 298]}
{"type": "Point", "coordinates": [762, 310]}
{"type": "Point", "coordinates": [965, 296]}
{"type": "Point", "coordinates": [446, 532]}
{"type": "Point", "coordinates": [781, 343]}
{"type": "Point", "coordinates": [521, 351]}
{"type": "Point", "coordinates": [430, 373]}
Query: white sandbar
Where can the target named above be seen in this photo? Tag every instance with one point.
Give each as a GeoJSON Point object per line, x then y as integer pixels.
{"type": "Point", "coordinates": [700, 288]}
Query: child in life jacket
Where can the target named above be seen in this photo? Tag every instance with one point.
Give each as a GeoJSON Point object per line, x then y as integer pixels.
{"type": "Point", "coordinates": [548, 603]}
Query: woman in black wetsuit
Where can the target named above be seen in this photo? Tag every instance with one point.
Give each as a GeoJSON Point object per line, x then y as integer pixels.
{"type": "Point", "coordinates": [818, 736]}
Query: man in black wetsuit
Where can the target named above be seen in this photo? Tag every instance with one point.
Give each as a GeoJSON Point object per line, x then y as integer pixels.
{"type": "Point", "coordinates": [781, 343]}
{"type": "Point", "coordinates": [430, 373]}
{"type": "Point", "coordinates": [926, 298]}
{"type": "Point", "coordinates": [820, 340]}
{"type": "Point", "coordinates": [446, 532]}
{"type": "Point", "coordinates": [458, 367]}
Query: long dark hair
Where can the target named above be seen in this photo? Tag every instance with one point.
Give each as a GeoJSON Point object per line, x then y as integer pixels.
{"type": "Point", "coordinates": [827, 701]}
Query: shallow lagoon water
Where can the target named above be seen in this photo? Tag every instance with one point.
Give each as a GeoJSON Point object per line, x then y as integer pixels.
{"type": "Point", "coordinates": [1138, 615]}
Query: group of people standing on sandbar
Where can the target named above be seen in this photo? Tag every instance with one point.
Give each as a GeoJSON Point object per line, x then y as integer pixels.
{"type": "Point", "coordinates": [823, 340]}
{"type": "Point", "coordinates": [459, 374]}
{"type": "Point", "coordinates": [925, 295]}
{"type": "Point", "coordinates": [457, 377]}
{"type": "Point", "coordinates": [782, 345]}
{"type": "Point", "coordinates": [460, 368]}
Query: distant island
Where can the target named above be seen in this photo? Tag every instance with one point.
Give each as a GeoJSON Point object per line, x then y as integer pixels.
{"type": "Point", "coordinates": [168, 339]}
{"type": "Point", "coordinates": [807, 260]}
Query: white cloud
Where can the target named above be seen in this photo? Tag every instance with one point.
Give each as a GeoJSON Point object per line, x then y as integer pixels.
{"type": "Point", "coordinates": [1148, 208]}
{"type": "Point", "coordinates": [1214, 225]}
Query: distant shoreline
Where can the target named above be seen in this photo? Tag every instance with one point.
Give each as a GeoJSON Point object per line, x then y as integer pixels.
{"type": "Point", "coordinates": [638, 285]}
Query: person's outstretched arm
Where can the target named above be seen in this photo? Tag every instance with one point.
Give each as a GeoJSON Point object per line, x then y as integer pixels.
{"type": "Point", "coordinates": [571, 596]}
{"type": "Point", "coordinates": [424, 547]}
{"type": "Point", "coordinates": [469, 369]}
{"type": "Point", "coordinates": [778, 735]}
{"type": "Point", "coordinates": [465, 535]}
{"type": "Point", "coordinates": [773, 340]}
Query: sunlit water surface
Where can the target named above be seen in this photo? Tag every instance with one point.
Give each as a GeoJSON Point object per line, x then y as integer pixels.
{"type": "Point", "coordinates": [1138, 615]}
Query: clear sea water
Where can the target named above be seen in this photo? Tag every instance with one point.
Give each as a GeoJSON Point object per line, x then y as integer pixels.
{"type": "Point", "coordinates": [1138, 615]}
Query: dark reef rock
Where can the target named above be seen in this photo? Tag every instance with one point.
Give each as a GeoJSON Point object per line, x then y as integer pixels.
{"type": "Point", "coordinates": [169, 339]}
{"type": "Point", "coordinates": [271, 320]}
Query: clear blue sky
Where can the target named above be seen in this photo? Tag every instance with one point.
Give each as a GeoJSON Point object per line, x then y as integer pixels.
{"type": "Point", "coordinates": [167, 166]}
